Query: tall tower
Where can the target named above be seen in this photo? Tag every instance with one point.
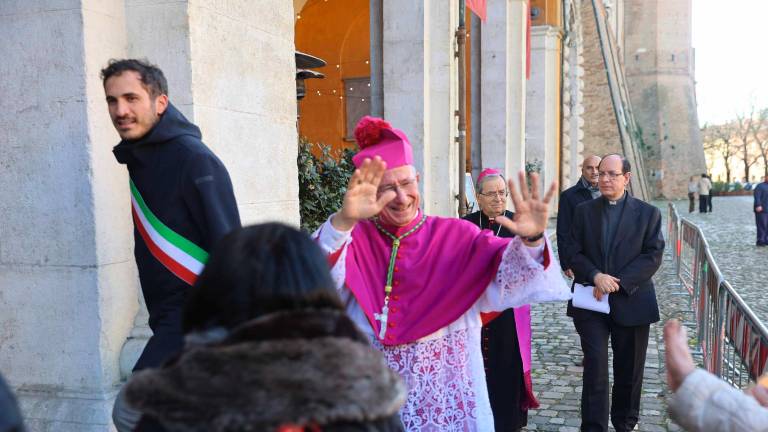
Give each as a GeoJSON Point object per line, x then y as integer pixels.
{"type": "Point", "coordinates": [659, 65]}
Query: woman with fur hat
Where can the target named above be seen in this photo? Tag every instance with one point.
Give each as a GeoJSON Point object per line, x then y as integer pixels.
{"type": "Point", "coordinates": [268, 347]}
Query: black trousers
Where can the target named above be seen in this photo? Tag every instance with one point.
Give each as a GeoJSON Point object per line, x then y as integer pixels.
{"type": "Point", "coordinates": [691, 202]}
{"type": "Point", "coordinates": [629, 346]}
{"type": "Point", "coordinates": [761, 221]}
{"type": "Point", "coordinates": [703, 203]}
{"type": "Point", "coordinates": [504, 372]}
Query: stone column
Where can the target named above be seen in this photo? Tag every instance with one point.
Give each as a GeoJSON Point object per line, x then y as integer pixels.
{"type": "Point", "coordinates": [66, 265]}
{"type": "Point", "coordinates": [572, 147]}
{"type": "Point", "coordinates": [420, 92]}
{"type": "Point", "coordinates": [542, 113]}
{"type": "Point", "coordinates": [231, 70]}
{"type": "Point", "coordinates": [503, 86]}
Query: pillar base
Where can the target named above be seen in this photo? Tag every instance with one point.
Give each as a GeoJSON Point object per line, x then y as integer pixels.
{"type": "Point", "coordinates": [52, 410]}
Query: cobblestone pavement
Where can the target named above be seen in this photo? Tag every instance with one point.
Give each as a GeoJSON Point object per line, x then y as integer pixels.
{"type": "Point", "coordinates": [557, 378]}
{"type": "Point", "coordinates": [730, 231]}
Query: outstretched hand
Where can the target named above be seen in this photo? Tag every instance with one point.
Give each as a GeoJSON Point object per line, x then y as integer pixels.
{"type": "Point", "coordinates": [531, 212]}
{"type": "Point", "coordinates": [360, 200]}
{"type": "Point", "coordinates": [677, 355]}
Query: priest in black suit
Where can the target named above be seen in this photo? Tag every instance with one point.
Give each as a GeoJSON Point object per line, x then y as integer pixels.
{"type": "Point", "coordinates": [617, 248]}
{"type": "Point", "coordinates": [506, 337]}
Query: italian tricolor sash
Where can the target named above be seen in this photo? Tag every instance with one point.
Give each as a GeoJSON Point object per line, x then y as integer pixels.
{"type": "Point", "coordinates": [179, 255]}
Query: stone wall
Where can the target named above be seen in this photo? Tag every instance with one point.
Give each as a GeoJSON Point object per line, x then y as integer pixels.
{"type": "Point", "coordinates": [659, 68]}
{"type": "Point", "coordinates": [68, 281]}
{"type": "Point", "coordinates": [572, 146]}
{"type": "Point", "coordinates": [601, 132]}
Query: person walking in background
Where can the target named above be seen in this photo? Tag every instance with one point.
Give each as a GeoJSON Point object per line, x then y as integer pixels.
{"type": "Point", "coordinates": [618, 248]}
{"type": "Point", "coordinates": [585, 189]}
{"type": "Point", "coordinates": [761, 212]}
{"type": "Point", "coordinates": [268, 347]}
{"type": "Point", "coordinates": [709, 197]}
{"type": "Point", "coordinates": [705, 186]}
{"type": "Point", "coordinates": [693, 189]}
{"type": "Point", "coordinates": [506, 336]}
{"type": "Point", "coordinates": [182, 203]}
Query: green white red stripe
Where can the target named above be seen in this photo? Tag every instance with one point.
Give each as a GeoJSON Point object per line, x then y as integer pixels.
{"type": "Point", "coordinates": [179, 255]}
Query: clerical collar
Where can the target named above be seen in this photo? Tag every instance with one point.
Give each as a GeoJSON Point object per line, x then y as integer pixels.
{"type": "Point", "coordinates": [398, 230]}
{"type": "Point", "coordinates": [618, 201]}
{"type": "Point", "coordinates": [491, 221]}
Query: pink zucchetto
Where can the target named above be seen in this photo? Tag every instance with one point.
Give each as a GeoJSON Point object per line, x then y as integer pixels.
{"type": "Point", "coordinates": [487, 172]}
{"type": "Point", "coordinates": [376, 137]}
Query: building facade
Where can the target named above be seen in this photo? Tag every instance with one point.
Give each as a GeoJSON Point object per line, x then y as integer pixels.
{"type": "Point", "coordinates": [71, 323]}
{"type": "Point", "coordinates": [68, 283]}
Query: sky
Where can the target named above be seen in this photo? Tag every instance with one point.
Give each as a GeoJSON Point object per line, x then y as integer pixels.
{"type": "Point", "coordinates": [731, 57]}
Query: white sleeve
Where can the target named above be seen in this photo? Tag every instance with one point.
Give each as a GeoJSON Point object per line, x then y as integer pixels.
{"type": "Point", "coordinates": [705, 403]}
{"type": "Point", "coordinates": [522, 279]}
{"type": "Point", "coordinates": [333, 241]}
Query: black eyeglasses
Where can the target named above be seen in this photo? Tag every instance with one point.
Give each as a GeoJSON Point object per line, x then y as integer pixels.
{"type": "Point", "coordinates": [497, 194]}
{"type": "Point", "coordinates": [609, 175]}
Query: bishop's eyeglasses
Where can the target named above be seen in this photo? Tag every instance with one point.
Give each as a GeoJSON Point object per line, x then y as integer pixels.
{"type": "Point", "coordinates": [495, 194]}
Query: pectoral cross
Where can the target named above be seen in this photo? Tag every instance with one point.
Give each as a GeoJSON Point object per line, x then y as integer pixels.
{"type": "Point", "coordinates": [382, 318]}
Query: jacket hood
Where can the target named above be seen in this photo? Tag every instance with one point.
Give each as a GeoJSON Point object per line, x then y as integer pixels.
{"type": "Point", "coordinates": [300, 367]}
{"type": "Point", "coordinates": [10, 415]}
{"type": "Point", "coordinates": [172, 125]}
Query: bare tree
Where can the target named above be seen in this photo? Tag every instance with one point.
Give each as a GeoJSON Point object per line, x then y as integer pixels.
{"type": "Point", "coordinates": [760, 136]}
{"type": "Point", "coordinates": [721, 141]}
{"type": "Point", "coordinates": [743, 135]}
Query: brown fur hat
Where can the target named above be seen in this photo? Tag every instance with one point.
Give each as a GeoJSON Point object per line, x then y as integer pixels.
{"type": "Point", "coordinates": [301, 367]}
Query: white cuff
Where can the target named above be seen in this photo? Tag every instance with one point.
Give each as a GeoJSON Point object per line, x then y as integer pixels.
{"type": "Point", "coordinates": [536, 252]}
{"type": "Point", "coordinates": [331, 239]}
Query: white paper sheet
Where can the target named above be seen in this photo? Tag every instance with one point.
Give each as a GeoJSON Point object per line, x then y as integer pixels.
{"type": "Point", "coordinates": [584, 299]}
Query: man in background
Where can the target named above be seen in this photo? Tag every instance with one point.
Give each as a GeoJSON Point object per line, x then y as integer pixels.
{"type": "Point", "coordinates": [585, 189]}
{"type": "Point", "coordinates": [705, 187]}
{"type": "Point", "coordinates": [761, 212]}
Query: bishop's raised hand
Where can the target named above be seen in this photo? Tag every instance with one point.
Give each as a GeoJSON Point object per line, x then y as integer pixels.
{"type": "Point", "coordinates": [531, 211]}
{"type": "Point", "coordinates": [361, 201]}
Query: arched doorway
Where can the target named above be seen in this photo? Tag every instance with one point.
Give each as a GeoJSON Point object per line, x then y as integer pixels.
{"type": "Point", "coordinates": [338, 32]}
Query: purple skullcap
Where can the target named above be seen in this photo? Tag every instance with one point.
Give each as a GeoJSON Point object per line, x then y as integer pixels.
{"type": "Point", "coordinates": [486, 172]}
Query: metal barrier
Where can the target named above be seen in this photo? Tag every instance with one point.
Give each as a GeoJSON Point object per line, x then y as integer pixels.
{"type": "Point", "coordinates": [733, 341]}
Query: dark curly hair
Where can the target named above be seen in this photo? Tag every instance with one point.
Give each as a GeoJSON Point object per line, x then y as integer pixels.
{"type": "Point", "coordinates": [152, 77]}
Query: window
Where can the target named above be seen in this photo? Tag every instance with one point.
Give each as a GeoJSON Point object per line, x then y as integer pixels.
{"type": "Point", "coordinates": [357, 97]}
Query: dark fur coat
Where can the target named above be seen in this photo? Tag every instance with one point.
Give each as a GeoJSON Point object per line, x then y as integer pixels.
{"type": "Point", "coordinates": [302, 367]}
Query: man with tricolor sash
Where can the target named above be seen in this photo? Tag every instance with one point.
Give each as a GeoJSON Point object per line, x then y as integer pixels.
{"type": "Point", "coordinates": [182, 202]}
{"type": "Point", "coordinates": [417, 284]}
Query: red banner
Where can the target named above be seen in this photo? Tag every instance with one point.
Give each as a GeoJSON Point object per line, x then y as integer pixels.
{"type": "Point", "coordinates": [527, 41]}
{"type": "Point", "coordinates": [478, 7]}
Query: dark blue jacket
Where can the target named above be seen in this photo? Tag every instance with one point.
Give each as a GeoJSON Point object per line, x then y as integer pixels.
{"type": "Point", "coordinates": [569, 199]}
{"type": "Point", "coordinates": [761, 196]}
{"type": "Point", "coordinates": [189, 190]}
